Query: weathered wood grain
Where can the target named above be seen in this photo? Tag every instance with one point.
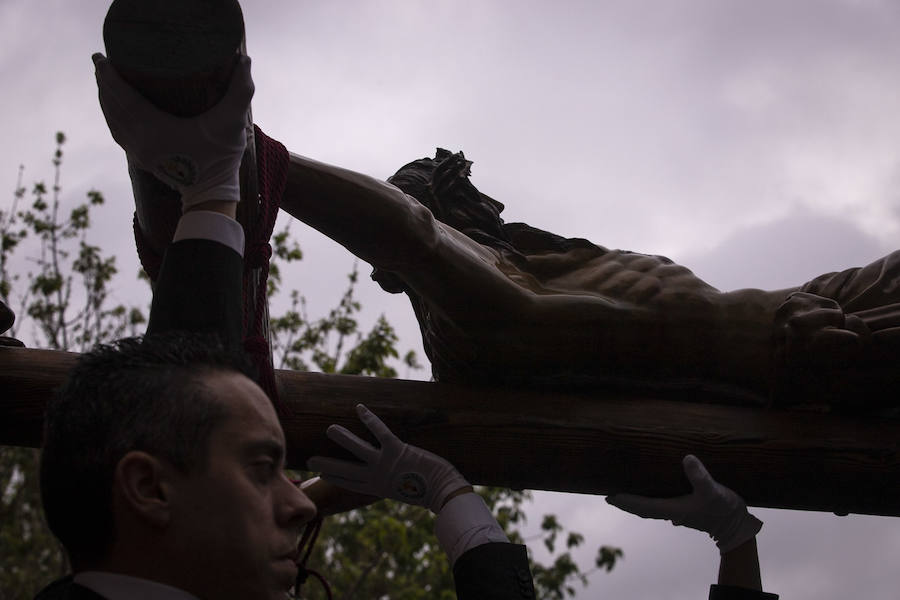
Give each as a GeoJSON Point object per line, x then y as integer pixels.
{"type": "Point", "coordinates": [595, 444]}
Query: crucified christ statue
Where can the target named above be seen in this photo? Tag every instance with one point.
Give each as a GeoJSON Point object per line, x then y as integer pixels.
{"type": "Point", "coordinates": [507, 303]}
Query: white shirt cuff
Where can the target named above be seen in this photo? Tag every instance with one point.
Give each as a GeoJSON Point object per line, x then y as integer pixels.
{"type": "Point", "coordinates": [466, 522]}
{"type": "Point", "coordinates": [210, 225]}
{"type": "Point", "coordinates": [115, 586]}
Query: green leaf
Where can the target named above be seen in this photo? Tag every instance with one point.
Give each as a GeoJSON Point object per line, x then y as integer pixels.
{"type": "Point", "coordinates": [607, 557]}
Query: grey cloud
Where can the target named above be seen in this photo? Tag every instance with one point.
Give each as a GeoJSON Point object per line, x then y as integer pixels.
{"type": "Point", "coordinates": [786, 252]}
{"type": "Point", "coordinates": [659, 126]}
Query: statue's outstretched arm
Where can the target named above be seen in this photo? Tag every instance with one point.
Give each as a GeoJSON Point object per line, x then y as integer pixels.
{"type": "Point", "coordinates": [380, 224]}
{"type": "Point", "coordinates": [489, 307]}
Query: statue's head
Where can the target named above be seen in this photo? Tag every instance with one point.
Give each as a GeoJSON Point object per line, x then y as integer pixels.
{"type": "Point", "coordinates": [442, 184]}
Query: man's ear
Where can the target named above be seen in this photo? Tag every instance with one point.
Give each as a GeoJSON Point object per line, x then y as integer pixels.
{"type": "Point", "coordinates": [142, 483]}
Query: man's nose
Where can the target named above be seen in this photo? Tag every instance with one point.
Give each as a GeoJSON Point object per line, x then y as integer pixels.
{"type": "Point", "coordinates": [295, 508]}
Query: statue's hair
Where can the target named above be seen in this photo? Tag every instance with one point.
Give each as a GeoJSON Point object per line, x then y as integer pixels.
{"type": "Point", "coordinates": [442, 185]}
{"type": "Point", "coordinates": [145, 394]}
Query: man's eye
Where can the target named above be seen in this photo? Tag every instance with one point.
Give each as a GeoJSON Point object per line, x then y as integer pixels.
{"type": "Point", "coordinates": [265, 470]}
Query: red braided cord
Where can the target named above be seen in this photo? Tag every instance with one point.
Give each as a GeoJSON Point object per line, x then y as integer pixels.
{"type": "Point", "coordinates": [308, 541]}
{"type": "Point", "coordinates": [272, 160]}
{"type": "Point", "coordinates": [321, 579]}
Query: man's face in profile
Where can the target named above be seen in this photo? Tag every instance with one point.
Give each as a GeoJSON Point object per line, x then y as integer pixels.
{"type": "Point", "coordinates": [237, 520]}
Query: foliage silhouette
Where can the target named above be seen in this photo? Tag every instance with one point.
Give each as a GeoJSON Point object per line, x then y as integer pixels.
{"type": "Point", "coordinates": [386, 550]}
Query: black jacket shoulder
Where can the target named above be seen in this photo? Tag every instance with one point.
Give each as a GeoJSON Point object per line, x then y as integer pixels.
{"type": "Point", "coordinates": [66, 589]}
{"type": "Point", "coordinates": [495, 571]}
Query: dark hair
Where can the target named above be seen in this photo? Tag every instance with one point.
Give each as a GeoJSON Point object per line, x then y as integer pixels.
{"type": "Point", "coordinates": [442, 184]}
{"type": "Point", "coordinates": [135, 394]}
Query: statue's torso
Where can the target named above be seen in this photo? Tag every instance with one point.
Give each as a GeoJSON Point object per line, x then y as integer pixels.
{"type": "Point", "coordinates": [568, 346]}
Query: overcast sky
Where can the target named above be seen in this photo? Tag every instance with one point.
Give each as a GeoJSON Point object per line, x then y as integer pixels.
{"type": "Point", "coordinates": [755, 142]}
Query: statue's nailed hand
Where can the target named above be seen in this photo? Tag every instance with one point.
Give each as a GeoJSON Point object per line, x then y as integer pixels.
{"type": "Point", "coordinates": [710, 507]}
{"type": "Point", "coordinates": [198, 156]}
{"type": "Point", "coordinates": [811, 329]}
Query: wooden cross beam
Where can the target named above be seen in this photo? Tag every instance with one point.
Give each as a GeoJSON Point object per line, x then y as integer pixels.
{"type": "Point", "coordinates": [596, 444]}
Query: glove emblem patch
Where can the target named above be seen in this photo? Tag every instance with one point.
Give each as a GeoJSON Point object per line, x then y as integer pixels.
{"type": "Point", "coordinates": [410, 486]}
{"type": "Point", "coordinates": [177, 169]}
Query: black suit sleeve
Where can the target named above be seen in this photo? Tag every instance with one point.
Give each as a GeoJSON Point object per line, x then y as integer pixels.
{"type": "Point", "coordinates": [199, 290]}
{"type": "Point", "coordinates": [495, 571]}
{"type": "Point", "coordinates": [65, 589]}
{"type": "Point", "coordinates": [730, 592]}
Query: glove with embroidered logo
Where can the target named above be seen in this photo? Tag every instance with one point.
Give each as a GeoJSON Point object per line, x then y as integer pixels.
{"type": "Point", "coordinates": [394, 470]}
{"type": "Point", "coordinates": [710, 507]}
{"type": "Point", "coordinates": [198, 156]}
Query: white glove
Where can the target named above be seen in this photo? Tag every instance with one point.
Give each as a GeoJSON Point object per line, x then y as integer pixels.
{"type": "Point", "coordinates": [198, 156]}
{"type": "Point", "coordinates": [711, 508]}
{"type": "Point", "coordinates": [395, 470]}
